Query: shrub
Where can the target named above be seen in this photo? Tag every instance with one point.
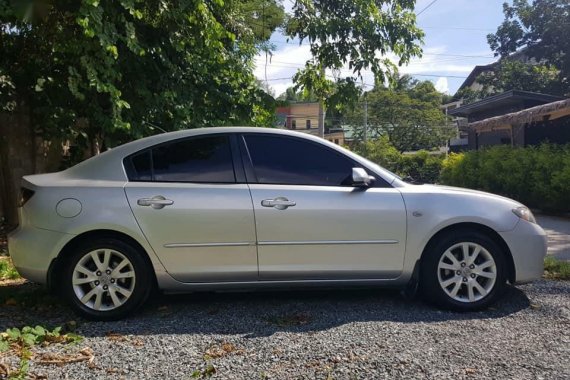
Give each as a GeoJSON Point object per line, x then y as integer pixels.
{"type": "Point", "coordinates": [536, 176]}
{"type": "Point", "coordinates": [421, 167]}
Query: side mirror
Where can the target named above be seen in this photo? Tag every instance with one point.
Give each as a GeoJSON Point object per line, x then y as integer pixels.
{"type": "Point", "coordinates": [360, 178]}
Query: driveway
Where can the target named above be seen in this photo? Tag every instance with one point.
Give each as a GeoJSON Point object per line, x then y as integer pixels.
{"type": "Point", "coordinates": [326, 334]}
{"type": "Point", "coordinates": [558, 230]}
{"type": "Point", "coordinates": [357, 334]}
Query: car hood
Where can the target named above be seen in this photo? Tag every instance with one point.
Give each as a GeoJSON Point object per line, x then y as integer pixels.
{"type": "Point", "coordinates": [461, 190]}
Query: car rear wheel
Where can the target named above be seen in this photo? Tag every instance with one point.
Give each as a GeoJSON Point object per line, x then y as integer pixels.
{"type": "Point", "coordinates": [464, 271]}
{"type": "Point", "coordinates": [107, 279]}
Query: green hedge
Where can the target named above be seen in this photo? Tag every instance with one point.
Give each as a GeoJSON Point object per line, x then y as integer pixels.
{"type": "Point", "coordinates": [539, 177]}
{"type": "Point", "coordinates": [422, 167]}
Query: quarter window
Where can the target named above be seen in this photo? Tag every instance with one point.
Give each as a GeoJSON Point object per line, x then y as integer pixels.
{"type": "Point", "coordinates": [292, 161]}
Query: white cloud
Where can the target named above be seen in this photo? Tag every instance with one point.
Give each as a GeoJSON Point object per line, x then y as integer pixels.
{"type": "Point", "coordinates": [281, 66]}
{"type": "Point", "coordinates": [288, 59]}
{"type": "Point", "coordinates": [441, 85]}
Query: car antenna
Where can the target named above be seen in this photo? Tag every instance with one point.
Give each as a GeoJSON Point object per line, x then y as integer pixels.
{"type": "Point", "coordinates": [155, 126]}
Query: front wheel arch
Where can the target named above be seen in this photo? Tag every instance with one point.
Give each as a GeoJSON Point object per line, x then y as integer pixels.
{"type": "Point", "coordinates": [58, 264]}
{"type": "Point", "coordinates": [477, 227]}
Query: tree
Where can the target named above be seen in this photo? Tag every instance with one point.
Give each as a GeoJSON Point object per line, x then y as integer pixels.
{"type": "Point", "coordinates": [98, 73]}
{"type": "Point", "coordinates": [357, 34]}
{"type": "Point", "coordinates": [106, 71]}
{"type": "Point", "coordinates": [408, 114]}
{"type": "Point", "coordinates": [542, 29]}
{"type": "Point", "coordinates": [516, 75]}
{"type": "Point", "coordinates": [293, 95]}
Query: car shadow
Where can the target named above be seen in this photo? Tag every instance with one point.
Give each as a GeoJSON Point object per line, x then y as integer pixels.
{"type": "Point", "coordinates": [251, 314]}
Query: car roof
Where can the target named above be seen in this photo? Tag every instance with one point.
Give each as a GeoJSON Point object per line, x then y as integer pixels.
{"type": "Point", "coordinates": [108, 166]}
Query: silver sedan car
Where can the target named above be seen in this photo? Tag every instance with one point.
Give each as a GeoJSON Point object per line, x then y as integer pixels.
{"type": "Point", "coordinates": [238, 208]}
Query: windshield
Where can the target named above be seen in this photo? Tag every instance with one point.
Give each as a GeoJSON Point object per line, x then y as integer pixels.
{"type": "Point", "coordinates": [380, 168]}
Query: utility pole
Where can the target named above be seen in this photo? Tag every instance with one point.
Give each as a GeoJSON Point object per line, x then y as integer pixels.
{"type": "Point", "coordinates": [321, 129]}
{"type": "Point", "coordinates": [365, 118]}
{"type": "Point", "coordinates": [321, 119]}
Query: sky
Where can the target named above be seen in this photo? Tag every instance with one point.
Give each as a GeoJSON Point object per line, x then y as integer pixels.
{"type": "Point", "coordinates": [455, 42]}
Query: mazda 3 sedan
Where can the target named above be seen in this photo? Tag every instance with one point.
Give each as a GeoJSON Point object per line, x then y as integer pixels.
{"type": "Point", "coordinates": [238, 208]}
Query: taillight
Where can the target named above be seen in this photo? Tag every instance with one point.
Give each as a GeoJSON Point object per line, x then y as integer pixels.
{"type": "Point", "coordinates": [25, 195]}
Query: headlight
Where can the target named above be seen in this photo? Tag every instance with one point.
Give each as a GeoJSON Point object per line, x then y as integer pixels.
{"type": "Point", "coordinates": [524, 213]}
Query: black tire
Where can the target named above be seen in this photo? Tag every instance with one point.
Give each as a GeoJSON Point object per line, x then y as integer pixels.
{"type": "Point", "coordinates": [434, 293]}
{"type": "Point", "coordinates": [141, 289]}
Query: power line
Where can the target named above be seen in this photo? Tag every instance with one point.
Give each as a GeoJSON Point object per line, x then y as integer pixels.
{"type": "Point", "coordinates": [426, 8]}
{"type": "Point", "coordinates": [367, 84]}
{"type": "Point", "coordinates": [424, 54]}
{"type": "Point", "coordinates": [457, 28]}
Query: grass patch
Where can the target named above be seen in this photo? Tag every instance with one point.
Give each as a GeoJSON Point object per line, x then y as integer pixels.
{"type": "Point", "coordinates": [556, 269]}
{"type": "Point", "coordinates": [7, 270]}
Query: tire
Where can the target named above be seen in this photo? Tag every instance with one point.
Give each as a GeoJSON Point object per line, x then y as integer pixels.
{"type": "Point", "coordinates": [106, 279]}
{"type": "Point", "coordinates": [453, 281]}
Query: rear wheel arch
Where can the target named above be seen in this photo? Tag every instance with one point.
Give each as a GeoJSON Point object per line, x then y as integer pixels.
{"type": "Point", "coordinates": [58, 264]}
{"type": "Point", "coordinates": [477, 227]}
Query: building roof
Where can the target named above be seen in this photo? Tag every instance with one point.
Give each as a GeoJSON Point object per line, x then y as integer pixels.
{"type": "Point", "coordinates": [549, 111]}
{"type": "Point", "coordinates": [520, 55]}
{"type": "Point", "coordinates": [501, 100]}
{"type": "Point", "coordinates": [475, 73]}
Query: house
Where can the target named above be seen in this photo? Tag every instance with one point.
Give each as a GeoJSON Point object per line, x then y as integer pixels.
{"type": "Point", "coordinates": [459, 142]}
{"type": "Point", "coordinates": [471, 81]}
{"type": "Point", "coordinates": [516, 118]}
{"type": "Point", "coordinates": [304, 117]}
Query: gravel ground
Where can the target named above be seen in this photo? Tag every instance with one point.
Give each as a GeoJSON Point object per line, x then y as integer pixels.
{"type": "Point", "coordinates": [328, 334]}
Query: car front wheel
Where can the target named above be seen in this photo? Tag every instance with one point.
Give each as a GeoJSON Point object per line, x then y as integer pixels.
{"type": "Point", "coordinates": [106, 279]}
{"type": "Point", "coordinates": [464, 272]}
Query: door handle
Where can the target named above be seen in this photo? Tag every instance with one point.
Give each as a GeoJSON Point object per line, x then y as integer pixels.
{"type": "Point", "coordinates": [156, 202]}
{"type": "Point", "coordinates": [280, 203]}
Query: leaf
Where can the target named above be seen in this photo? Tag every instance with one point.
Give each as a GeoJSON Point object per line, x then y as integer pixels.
{"type": "Point", "coordinates": [13, 334]}
{"type": "Point", "coordinates": [29, 339]}
{"type": "Point", "coordinates": [4, 346]}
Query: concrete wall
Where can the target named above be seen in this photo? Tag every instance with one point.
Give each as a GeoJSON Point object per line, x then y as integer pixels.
{"type": "Point", "coordinates": [299, 113]}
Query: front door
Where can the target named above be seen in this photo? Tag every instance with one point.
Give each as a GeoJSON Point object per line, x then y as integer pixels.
{"type": "Point", "coordinates": [311, 224]}
{"type": "Point", "coordinates": [195, 216]}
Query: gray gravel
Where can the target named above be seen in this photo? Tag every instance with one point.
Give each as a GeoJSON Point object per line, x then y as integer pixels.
{"type": "Point", "coordinates": [331, 334]}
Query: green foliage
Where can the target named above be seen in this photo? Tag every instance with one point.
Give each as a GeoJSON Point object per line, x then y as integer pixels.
{"type": "Point", "coordinates": [22, 340]}
{"type": "Point", "coordinates": [515, 75]}
{"type": "Point", "coordinates": [536, 176]}
{"type": "Point", "coordinates": [104, 71]}
{"type": "Point", "coordinates": [541, 28]}
{"type": "Point", "coordinates": [421, 167]}
{"type": "Point", "coordinates": [381, 152]}
{"type": "Point", "coordinates": [556, 269]}
{"type": "Point", "coordinates": [7, 270]}
{"type": "Point", "coordinates": [358, 34]}
{"type": "Point", "coordinates": [29, 336]}
{"type": "Point", "coordinates": [408, 113]}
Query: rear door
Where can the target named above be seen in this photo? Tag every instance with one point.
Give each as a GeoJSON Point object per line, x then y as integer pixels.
{"type": "Point", "coordinates": [195, 209]}
{"type": "Point", "coordinates": [311, 223]}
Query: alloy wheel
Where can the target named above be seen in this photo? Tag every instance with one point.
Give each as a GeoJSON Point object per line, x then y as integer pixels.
{"type": "Point", "coordinates": [467, 272]}
{"type": "Point", "coordinates": [103, 279]}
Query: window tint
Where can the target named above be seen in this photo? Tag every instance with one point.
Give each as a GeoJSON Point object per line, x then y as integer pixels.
{"type": "Point", "coordinates": [202, 159]}
{"type": "Point", "coordinates": [142, 167]}
{"type": "Point", "coordinates": [291, 161]}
